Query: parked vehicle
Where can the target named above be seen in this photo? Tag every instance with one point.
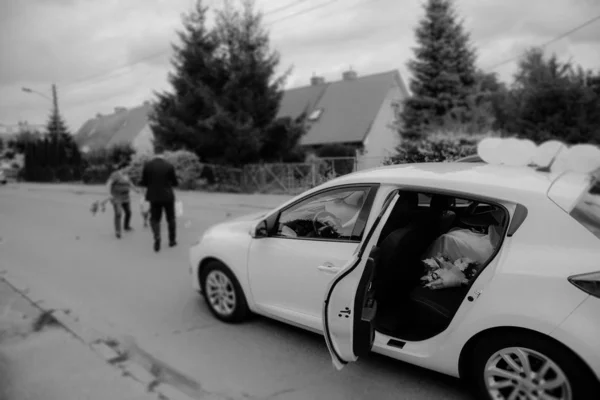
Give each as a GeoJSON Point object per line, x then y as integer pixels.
{"type": "Point", "coordinates": [3, 179]}
{"type": "Point", "coordinates": [346, 259]}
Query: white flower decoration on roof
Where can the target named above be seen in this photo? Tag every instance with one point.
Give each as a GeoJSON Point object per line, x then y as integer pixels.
{"type": "Point", "coordinates": [552, 155]}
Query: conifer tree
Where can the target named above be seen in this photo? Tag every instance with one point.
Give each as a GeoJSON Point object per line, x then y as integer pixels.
{"type": "Point", "coordinates": [182, 117]}
{"type": "Point", "coordinates": [225, 93]}
{"type": "Point", "coordinates": [443, 71]}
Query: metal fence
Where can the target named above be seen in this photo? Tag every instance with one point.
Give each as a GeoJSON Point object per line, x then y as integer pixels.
{"type": "Point", "coordinates": [283, 178]}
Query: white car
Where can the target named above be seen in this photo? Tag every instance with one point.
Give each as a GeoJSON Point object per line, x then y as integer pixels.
{"type": "Point", "coordinates": [345, 259]}
{"type": "Point", "coordinates": [3, 179]}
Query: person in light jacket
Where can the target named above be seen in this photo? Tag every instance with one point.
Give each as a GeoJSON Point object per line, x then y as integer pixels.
{"type": "Point", "coordinates": [119, 186]}
{"type": "Point", "coordinates": [159, 179]}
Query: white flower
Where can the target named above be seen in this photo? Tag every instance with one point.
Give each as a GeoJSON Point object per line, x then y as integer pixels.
{"type": "Point", "coordinates": [431, 263]}
{"type": "Point", "coordinates": [463, 263]}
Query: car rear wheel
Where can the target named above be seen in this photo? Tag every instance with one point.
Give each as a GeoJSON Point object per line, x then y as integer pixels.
{"type": "Point", "coordinates": [223, 293]}
{"type": "Point", "coordinates": [528, 366]}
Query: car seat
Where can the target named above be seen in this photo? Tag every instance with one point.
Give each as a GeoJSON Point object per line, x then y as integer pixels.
{"type": "Point", "coordinates": [405, 210]}
{"type": "Point", "coordinates": [434, 309]}
{"type": "Point", "coordinates": [398, 260]}
{"type": "Point", "coordinates": [440, 211]}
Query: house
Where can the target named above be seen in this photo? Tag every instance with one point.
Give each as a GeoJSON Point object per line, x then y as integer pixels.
{"type": "Point", "coordinates": [122, 126]}
{"type": "Point", "coordinates": [354, 111]}
{"type": "Point", "coordinates": [10, 130]}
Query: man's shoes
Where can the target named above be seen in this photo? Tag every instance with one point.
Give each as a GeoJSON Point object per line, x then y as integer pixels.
{"type": "Point", "coordinates": [156, 246]}
{"type": "Point", "coordinates": [128, 229]}
{"type": "Point", "coordinates": [118, 235]}
{"type": "Point", "coordinates": [172, 243]}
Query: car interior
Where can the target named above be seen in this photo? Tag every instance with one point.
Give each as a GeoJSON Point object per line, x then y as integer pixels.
{"type": "Point", "coordinates": [422, 226]}
{"type": "Point", "coordinates": [329, 217]}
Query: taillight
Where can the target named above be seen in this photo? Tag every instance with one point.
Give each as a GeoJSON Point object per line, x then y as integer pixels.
{"type": "Point", "coordinates": [589, 283]}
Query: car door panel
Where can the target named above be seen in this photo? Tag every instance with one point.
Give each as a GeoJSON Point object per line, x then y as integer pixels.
{"type": "Point", "coordinates": [349, 306]}
{"type": "Point", "coordinates": [288, 277]}
{"type": "Point", "coordinates": [289, 270]}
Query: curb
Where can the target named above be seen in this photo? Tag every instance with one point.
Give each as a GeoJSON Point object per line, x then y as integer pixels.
{"type": "Point", "coordinates": [111, 351]}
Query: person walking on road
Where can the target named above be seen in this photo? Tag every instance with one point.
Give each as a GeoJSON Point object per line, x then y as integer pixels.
{"type": "Point", "coordinates": [159, 179]}
{"type": "Point", "coordinates": [119, 185]}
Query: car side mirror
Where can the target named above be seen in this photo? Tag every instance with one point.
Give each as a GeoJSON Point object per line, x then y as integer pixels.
{"type": "Point", "coordinates": [261, 230]}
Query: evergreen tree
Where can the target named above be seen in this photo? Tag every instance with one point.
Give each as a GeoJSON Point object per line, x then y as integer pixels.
{"type": "Point", "coordinates": [183, 118]}
{"type": "Point", "coordinates": [225, 94]}
{"type": "Point", "coordinates": [550, 99]}
{"type": "Point", "coordinates": [444, 76]}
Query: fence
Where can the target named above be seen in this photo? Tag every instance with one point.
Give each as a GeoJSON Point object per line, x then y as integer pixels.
{"type": "Point", "coordinates": [283, 178]}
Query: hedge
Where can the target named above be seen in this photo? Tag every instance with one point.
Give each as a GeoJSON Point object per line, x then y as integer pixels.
{"type": "Point", "coordinates": [437, 147]}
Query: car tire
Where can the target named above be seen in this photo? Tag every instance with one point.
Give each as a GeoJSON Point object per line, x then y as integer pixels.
{"type": "Point", "coordinates": [563, 364]}
{"type": "Point", "coordinates": [223, 294]}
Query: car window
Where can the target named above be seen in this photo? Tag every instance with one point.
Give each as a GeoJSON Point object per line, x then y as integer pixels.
{"type": "Point", "coordinates": [587, 209]}
{"type": "Point", "coordinates": [329, 215]}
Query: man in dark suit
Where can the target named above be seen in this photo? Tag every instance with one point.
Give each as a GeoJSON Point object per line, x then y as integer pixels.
{"type": "Point", "coordinates": [159, 178]}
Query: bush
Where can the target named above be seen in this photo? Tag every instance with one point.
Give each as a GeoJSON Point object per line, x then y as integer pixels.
{"type": "Point", "coordinates": [111, 156]}
{"type": "Point", "coordinates": [436, 147]}
{"type": "Point", "coordinates": [187, 167]}
{"type": "Point", "coordinates": [95, 174]}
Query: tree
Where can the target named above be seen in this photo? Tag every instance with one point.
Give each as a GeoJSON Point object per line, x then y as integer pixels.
{"type": "Point", "coordinates": [225, 95]}
{"type": "Point", "coordinates": [20, 141]}
{"type": "Point", "coordinates": [444, 76]}
{"type": "Point", "coordinates": [551, 99]}
{"type": "Point", "coordinates": [182, 118]}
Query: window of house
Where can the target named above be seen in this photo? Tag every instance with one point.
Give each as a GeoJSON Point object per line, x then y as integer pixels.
{"type": "Point", "coordinates": [315, 115]}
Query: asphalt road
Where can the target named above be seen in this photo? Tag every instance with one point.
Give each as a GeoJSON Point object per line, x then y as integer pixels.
{"type": "Point", "coordinates": [49, 239]}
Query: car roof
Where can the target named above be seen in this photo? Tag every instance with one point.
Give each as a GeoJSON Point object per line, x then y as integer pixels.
{"type": "Point", "coordinates": [496, 181]}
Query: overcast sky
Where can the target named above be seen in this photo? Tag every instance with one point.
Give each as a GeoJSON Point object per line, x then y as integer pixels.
{"type": "Point", "coordinates": [80, 44]}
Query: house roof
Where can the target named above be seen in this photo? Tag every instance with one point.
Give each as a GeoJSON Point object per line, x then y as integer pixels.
{"type": "Point", "coordinates": [349, 107]}
{"type": "Point", "coordinates": [107, 130]}
{"type": "Point", "coordinates": [300, 100]}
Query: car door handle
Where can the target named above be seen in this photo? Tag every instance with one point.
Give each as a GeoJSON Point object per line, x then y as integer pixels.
{"type": "Point", "coordinates": [328, 268]}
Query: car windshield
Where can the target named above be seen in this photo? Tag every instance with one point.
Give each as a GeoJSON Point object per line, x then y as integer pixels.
{"type": "Point", "coordinates": [587, 209]}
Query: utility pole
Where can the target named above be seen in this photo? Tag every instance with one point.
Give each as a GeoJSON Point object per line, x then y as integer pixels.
{"type": "Point", "coordinates": [54, 98]}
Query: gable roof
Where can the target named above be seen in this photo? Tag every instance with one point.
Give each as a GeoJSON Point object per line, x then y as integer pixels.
{"type": "Point", "coordinates": [300, 100]}
{"type": "Point", "coordinates": [107, 130]}
{"type": "Point", "coordinates": [349, 107]}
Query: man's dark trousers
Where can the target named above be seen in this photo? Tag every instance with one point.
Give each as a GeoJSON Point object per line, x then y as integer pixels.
{"type": "Point", "coordinates": [159, 179]}
{"type": "Point", "coordinates": [156, 211]}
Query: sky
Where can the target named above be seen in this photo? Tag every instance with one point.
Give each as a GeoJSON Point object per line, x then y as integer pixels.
{"type": "Point", "coordinates": [116, 53]}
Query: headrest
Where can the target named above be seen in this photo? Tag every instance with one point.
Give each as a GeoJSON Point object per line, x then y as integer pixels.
{"type": "Point", "coordinates": [408, 199]}
{"type": "Point", "coordinates": [440, 203]}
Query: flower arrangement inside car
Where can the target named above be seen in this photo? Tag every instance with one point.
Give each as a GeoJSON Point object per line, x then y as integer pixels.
{"type": "Point", "coordinates": [443, 273]}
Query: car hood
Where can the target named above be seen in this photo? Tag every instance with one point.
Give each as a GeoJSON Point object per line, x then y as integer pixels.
{"type": "Point", "coordinates": [249, 217]}
{"type": "Point", "coordinates": [241, 224]}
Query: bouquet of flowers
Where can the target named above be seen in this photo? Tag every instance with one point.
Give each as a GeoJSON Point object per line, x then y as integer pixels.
{"type": "Point", "coordinates": [98, 205]}
{"type": "Point", "coordinates": [442, 273]}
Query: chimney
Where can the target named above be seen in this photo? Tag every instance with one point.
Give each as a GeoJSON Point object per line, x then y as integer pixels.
{"type": "Point", "coordinates": [99, 115]}
{"type": "Point", "coordinates": [317, 80]}
{"type": "Point", "coordinates": [349, 75]}
{"type": "Point", "coordinates": [120, 109]}
{"type": "Point", "coordinates": [147, 103]}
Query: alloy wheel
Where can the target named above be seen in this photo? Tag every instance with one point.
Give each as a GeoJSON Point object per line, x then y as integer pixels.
{"type": "Point", "coordinates": [220, 293]}
{"type": "Point", "coordinates": [518, 373]}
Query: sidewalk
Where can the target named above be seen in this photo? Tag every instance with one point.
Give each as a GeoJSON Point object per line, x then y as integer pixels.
{"type": "Point", "coordinates": [48, 355]}
{"type": "Point", "coordinates": [39, 360]}
{"type": "Point", "coordinates": [51, 364]}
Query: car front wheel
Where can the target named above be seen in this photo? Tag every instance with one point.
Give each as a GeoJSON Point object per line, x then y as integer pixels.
{"type": "Point", "coordinates": [529, 366]}
{"type": "Point", "coordinates": [223, 293]}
